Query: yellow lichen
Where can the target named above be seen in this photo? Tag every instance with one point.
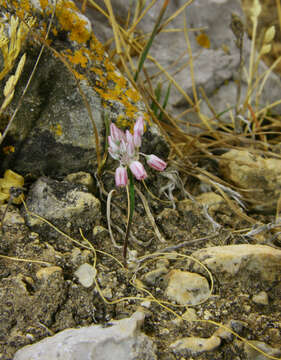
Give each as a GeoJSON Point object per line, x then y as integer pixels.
{"type": "Point", "coordinates": [57, 129]}
{"type": "Point", "coordinates": [78, 58]}
{"type": "Point", "coordinates": [97, 71]}
{"type": "Point", "coordinates": [55, 31]}
{"type": "Point", "coordinates": [79, 76]}
{"type": "Point", "coordinates": [10, 179]}
{"type": "Point", "coordinates": [132, 94]}
{"type": "Point", "coordinates": [66, 13]}
{"type": "Point", "coordinates": [88, 55]}
{"type": "Point", "coordinates": [8, 149]}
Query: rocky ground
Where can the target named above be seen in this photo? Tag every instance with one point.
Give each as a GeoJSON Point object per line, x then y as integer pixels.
{"type": "Point", "coordinates": [204, 260]}
{"type": "Point", "coordinates": [174, 292]}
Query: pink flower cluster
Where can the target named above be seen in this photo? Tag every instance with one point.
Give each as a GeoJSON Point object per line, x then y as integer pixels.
{"type": "Point", "coordinates": [124, 147]}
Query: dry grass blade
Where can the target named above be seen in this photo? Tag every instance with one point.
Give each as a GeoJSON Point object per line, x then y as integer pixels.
{"type": "Point", "coordinates": [10, 47]}
{"type": "Point", "coordinates": [167, 137]}
{"type": "Point", "coordinates": [231, 204]}
{"type": "Point", "coordinates": [137, 21]}
{"type": "Point", "coordinates": [173, 81]}
{"type": "Point", "coordinates": [191, 64]}
{"type": "Point", "coordinates": [132, 237]}
{"type": "Point", "coordinates": [10, 53]}
{"type": "Point", "coordinates": [278, 5]}
{"type": "Point", "coordinates": [167, 115]}
{"type": "Point", "coordinates": [108, 216]}
{"type": "Point", "coordinates": [12, 258]}
{"type": "Point", "coordinates": [114, 25]}
{"type": "Point", "coordinates": [175, 14]}
{"type": "Point", "coordinates": [150, 216]}
{"type": "Point", "coordinates": [216, 225]}
{"type": "Point", "coordinates": [265, 77]}
{"type": "Point", "coordinates": [255, 12]}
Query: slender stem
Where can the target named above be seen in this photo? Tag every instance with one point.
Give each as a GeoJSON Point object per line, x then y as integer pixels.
{"type": "Point", "coordinates": [150, 40]}
{"type": "Point", "coordinates": [103, 161]}
{"type": "Point", "coordinates": [131, 208]}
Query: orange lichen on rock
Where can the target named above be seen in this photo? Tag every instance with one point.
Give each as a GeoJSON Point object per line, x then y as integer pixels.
{"type": "Point", "coordinates": [78, 58]}
{"type": "Point", "coordinates": [69, 20]}
{"type": "Point", "coordinates": [132, 94]}
{"type": "Point", "coordinates": [86, 55]}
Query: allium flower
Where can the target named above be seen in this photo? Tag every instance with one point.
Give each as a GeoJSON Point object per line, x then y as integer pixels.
{"type": "Point", "coordinates": [138, 170]}
{"type": "Point", "coordinates": [124, 147]}
{"type": "Point", "coordinates": [121, 176]}
{"type": "Point", "coordinates": [155, 162]}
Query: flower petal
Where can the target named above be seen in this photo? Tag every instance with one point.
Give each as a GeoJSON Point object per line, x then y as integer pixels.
{"type": "Point", "coordinates": [121, 176]}
{"type": "Point", "coordinates": [138, 170]}
{"type": "Point", "coordinates": [116, 134]}
{"type": "Point", "coordinates": [139, 126]}
{"type": "Point", "coordinates": [155, 162]}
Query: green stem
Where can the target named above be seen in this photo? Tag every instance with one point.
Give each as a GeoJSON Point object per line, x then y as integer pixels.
{"type": "Point", "coordinates": [131, 208]}
{"type": "Point", "coordinates": [150, 40]}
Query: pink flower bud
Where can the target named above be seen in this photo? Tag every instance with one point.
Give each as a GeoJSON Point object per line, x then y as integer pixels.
{"type": "Point", "coordinates": [155, 162]}
{"type": "Point", "coordinates": [137, 139]}
{"type": "Point", "coordinates": [138, 170]}
{"type": "Point", "coordinates": [139, 126]}
{"type": "Point", "coordinates": [112, 145]}
{"type": "Point", "coordinates": [131, 148]}
{"type": "Point", "coordinates": [114, 155]}
{"type": "Point", "coordinates": [116, 134]}
{"type": "Point", "coordinates": [121, 176]}
{"type": "Point", "coordinates": [129, 136]}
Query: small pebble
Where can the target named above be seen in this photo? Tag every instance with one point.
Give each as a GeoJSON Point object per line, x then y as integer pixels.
{"type": "Point", "coordinates": [261, 298]}
{"type": "Point", "coordinates": [86, 275]}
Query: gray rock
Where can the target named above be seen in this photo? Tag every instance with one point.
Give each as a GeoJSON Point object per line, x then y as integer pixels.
{"type": "Point", "coordinates": [215, 68]}
{"type": "Point", "coordinates": [261, 298]}
{"type": "Point", "coordinates": [44, 274]}
{"type": "Point", "coordinates": [53, 133]}
{"type": "Point", "coordinates": [242, 264]}
{"type": "Point", "coordinates": [252, 354]}
{"type": "Point", "coordinates": [195, 345]}
{"type": "Point", "coordinates": [235, 325]}
{"type": "Point", "coordinates": [186, 288]}
{"type": "Point", "coordinates": [152, 276]}
{"type": "Point", "coordinates": [86, 274]}
{"type": "Point", "coordinates": [122, 339]}
{"type": "Point", "coordinates": [82, 178]}
{"type": "Point", "coordinates": [253, 172]}
{"type": "Point", "coordinates": [66, 205]}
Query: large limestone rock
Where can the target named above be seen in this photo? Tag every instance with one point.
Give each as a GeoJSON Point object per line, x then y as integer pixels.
{"type": "Point", "coordinates": [215, 67]}
{"type": "Point", "coordinates": [66, 205]}
{"type": "Point", "coordinates": [74, 87]}
{"type": "Point", "coordinates": [260, 177]}
{"type": "Point", "coordinates": [120, 340]}
{"type": "Point", "coordinates": [250, 267]}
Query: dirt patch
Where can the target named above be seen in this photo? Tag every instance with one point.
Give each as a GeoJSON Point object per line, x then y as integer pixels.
{"type": "Point", "coordinates": [38, 300]}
